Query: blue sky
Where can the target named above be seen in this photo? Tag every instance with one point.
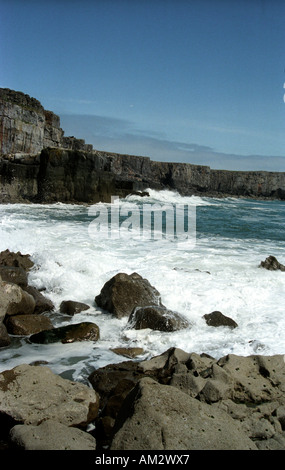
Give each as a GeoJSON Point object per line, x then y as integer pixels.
{"type": "Point", "coordinates": [198, 81]}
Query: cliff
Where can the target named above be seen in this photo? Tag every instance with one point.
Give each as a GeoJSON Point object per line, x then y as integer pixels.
{"type": "Point", "coordinates": [39, 164]}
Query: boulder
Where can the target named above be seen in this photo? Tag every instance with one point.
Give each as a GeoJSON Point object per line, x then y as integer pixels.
{"type": "Point", "coordinates": [9, 258]}
{"type": "Point", "coordinates": [128, 352]}
{"type": "Point", "coordinates": [272, 264]}
{"type": "Point", "coordinates": [70, 307]}
{"type": "Point", "coordinates": [123, 292]}
{"type": "Point", "coordinates": [4, 336]}
{"type": "Point", "coordinates": [14, 275]}
{"type": "Point", "coordinates": [14, 300]}
{"type": "Point", "coordinates": [156, 318]}
{"type": "Point", "coordinates": [31, 394]}
{"type": "Point", "coordinates": [84, 331]}
{"type": "Point", "coordinates": [218, 319]}
{"type": "Point", "coordinates": [162, 417]}
{"type": "Point", "coordinates": [28, 324]}
{"type": "Point", "coordinates": [43, 304]}
{"type": "Point", "coordinates": [51, 435]}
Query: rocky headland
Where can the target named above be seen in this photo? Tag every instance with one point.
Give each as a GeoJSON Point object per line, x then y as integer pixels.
{"type": "Point", "coordinates": [39, 164]}
{"type": "Point", "coordinates": [178, 400]}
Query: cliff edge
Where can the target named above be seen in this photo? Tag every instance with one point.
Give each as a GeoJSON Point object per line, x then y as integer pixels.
{"type": "Point", "coordinates": [38, 163]}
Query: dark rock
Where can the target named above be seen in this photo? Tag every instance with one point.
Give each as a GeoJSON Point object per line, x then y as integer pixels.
{"type": "Point", "coordinates": [70, 307]}
{"type": "Point", "coordinates": [43, 304]}
{"type": "Point", "coordinates": [156, 318]}
{"type": "Point", "coordinates": [121, 294]}
{"type": "Point", "coordinates": [218, 319]}
{"type": "Point", "coordinates": [4, 336]}
{"type": "Point", "coordinates": [18, 260]}
{"type": "Point", "coordinates": [272, 264]}
{"type": "Point", "coordinates": [84, 331]}
{"type": "Point", "coordinates": [14, 275]}
{"type": "Point", "coordinates": [28, 324]}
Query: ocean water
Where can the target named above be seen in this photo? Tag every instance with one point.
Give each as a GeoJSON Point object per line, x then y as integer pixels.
{"type": "Point", "coordinates": [217, 270]}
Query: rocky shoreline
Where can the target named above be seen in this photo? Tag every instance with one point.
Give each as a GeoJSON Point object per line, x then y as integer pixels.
{"type": "Point", "coordinates": [178, 400]}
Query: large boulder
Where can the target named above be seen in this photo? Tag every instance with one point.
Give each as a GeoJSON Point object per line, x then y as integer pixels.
{"type": "Point", "coordinates": [14, 275]}
{"type": "Point", "coordinates": [156, 318]}
{"type": "Point", "coordinates": [31, 394]}
{"type": "Point", "coordinates": [51, 435]}
{"type": "Point", "coordinates": [84, 331]}
{"type": "Point", "coordinates": [161, 417]}
{"type": "Point", "coordinates": [5, 339]}
{"type": "Point", "coordinates": [123, 292]}
{"type": "Point", "coordinates": [27, 324]}
{"type": "Point", "coordinates": [272, 264]}
{"type": "Point", "coordinates": [14, 300]}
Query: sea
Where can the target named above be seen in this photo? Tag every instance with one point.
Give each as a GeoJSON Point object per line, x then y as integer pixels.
{"type": "Point", "coordinates": [212, 266]}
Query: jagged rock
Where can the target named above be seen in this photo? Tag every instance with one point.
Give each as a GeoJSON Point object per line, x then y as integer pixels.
{"type": "Point", "coordinates": [31, 394]}
{"type": "Point", "coordinates": [156, 318]}
{"type": "Point", "coordinates": [18, 260]}
{"type": "Point", "coordinates": [14, 275]}
{"type": "Point", "coordinates": [218, 319]}
{"type": "Point", "coordinates": [272, 264]}
{"type": "Point", "coordinates": [70, 307]}
{"type": "Point", "coordinates": [51, 435]}
{"type": "Point", "coordinates": [161, 417]}
{"type": "Point", "coordinates": [84, 331]}
{"type": "Point", "coordinates": [28, 324]}
{"type": "Point", "coordinates": [43, 304]}
{"type": "Point", "coordinates": [14, 300]}
{"type": "Point", "coordinates": [4, 336]}
{"type": "Point", "coordinates": [123, 292]}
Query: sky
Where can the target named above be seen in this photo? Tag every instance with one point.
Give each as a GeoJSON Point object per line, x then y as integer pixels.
{"type": "Point", "coordinates": [197, 81]}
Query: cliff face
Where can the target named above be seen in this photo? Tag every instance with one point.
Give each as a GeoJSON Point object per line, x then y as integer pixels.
{"type": "Point", "coordinates": [39, 164]}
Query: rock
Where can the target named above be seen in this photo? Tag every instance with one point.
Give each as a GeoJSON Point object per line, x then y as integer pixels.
{"type": "Point", "coordinates": [14, 300]}
{"type": "Point", "coordinates": [31, 394]}
{"type": "Point", "coordinates": [43, 304]}
{"type": "Point", "coordinates": [156, 318]}
{"type": "Point", "coordinates": [51, 435]}
{"type": "Point", "coordinates": [18, 260]}
{"type": "Point", "coordinates": [4, 336]}
{"type": "Point", "coordinates": [161, 417]}
{"type": "Point", "coordinates": [128, 352]}
{"type": "Point", "coordinates": [218, 319]}
{"type": "Point", "coordinates": [85, 331]}
{"type": "Point", "coordinates": [14, 275]}
{"type": "Point", "coordinates": [28, 324]}
{"type": "Point", "coordinates": [70, 307]}
{"type": "Point", "coordinates": [272, 264]}
{"type": "Point", "coordinates": [121, 294]}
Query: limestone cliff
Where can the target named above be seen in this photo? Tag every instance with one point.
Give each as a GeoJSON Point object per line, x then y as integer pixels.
{"type": "Point", "coordinates": [39, 164]}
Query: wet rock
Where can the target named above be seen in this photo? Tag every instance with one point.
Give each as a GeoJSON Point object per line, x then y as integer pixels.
{"type": "Point", "coordinates": [121, 294]}
{"type": "Point", "coordinates": [218, 319]}
{"type": "Point", "coordinates": [18, 260]}
{"type": "Point", "coordinates": [43, 304]}
{"type": "Point", "coordinates": [128, 352]}
{"type": "Point", "coordinates": [51, 435]}
{"type": "Point", "coordinates": [14, 275]}
{"type": "Point", "coordinates": [28, 324]}
{"type": "Point", "coordinates": [85, 331]}
{"type": "Point", "coordinates": [5, 339]}
{"type": "Point", "coordinates": [156, 318]}
{"type": "Point", "coordinates": [70, 307]}
{"type": "Point", "coordinates": [272, 264]}
{"type": "Point", "coordinates": [161, 417]}
{"type": "Point", "coordinates": [31, 394]}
